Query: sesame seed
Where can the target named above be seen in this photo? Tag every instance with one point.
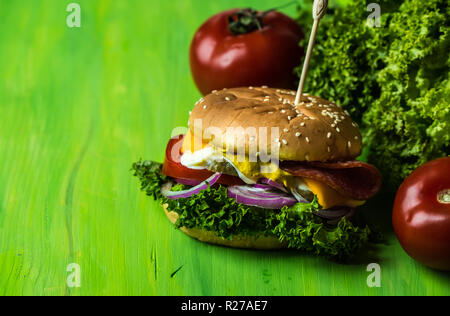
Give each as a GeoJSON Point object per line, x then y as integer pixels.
{"type": "Point", "coordinates": [356, 137]}
{"type": "Point", "coordinates": [270, 112]}
{"type": "Point", "coordinates": [280, 99]}
{"type": "Point", "coordinates": [349, 144]}
{"type": "Point", "coordinates": [214, 91]}
{"type": "Point", "coordinates": [284, 142]}
{"type": "Point", "coordinates": [329, 135]}
{"type": "Point", "coordinates": [277, 140]}
{"type": "Point", "coordinates": [307, 157]}
{"type": "Point", "coordinates": [251, 88]}
{"type": "Point", "coordinates": [329, 149]}
{"type": "Point", "coordinates": [333, 125]}
{"type": "Point", "coordinates": [307, 139]}
{"type": "Point", "coordinates": [283, 111]}
{"type": "Point", "coordinates": [227, 98]}
{"type": "Point", "coordinates": [338, 130]}
{"type": "Point", "coordinates": [302, 124]}
{"type": "Point", "coordinates": [204, 107]}
{"type": "Point", "coordinates": [285, 130]}
{"type": "Point", "coordinates": [264, 87]}
{"type": "Point", "coordinates": [289, 118]}
{"type": "Point", "coordinates": [298, 134]}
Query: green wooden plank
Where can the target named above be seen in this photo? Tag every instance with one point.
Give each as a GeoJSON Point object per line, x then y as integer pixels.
{"type": "Point", "coordinates": [77, 107]}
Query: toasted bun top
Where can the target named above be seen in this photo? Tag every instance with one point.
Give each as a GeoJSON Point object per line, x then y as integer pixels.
{"type": "Point", "coordinates": [315, 130]}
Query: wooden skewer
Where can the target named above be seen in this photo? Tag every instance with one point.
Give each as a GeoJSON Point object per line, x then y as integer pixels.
{"type": "Point", "coordinates": [319, 9]}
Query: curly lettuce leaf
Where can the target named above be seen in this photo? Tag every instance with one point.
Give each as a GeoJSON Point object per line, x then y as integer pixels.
{"type": "Point", "coordinates": [150, 176]}
{"type": "Point", "coordinates": [302, 230]}
{"type": "Point", "coordinates": [213, 210]}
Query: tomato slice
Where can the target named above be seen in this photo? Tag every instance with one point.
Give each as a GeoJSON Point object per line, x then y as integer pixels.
{"type": "Point", "coordinates": [172, 166]}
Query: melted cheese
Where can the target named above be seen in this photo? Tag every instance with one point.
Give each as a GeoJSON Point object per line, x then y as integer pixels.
{"type": "Point", "coordinates": [258, 170]}
{"type": "Point", "coordinates": [192, 144]}
{"type": "Point", "coordinates": [327, 196]}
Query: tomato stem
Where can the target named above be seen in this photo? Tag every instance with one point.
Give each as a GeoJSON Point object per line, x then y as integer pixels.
{"type": "Point", "coordinates": [249, 20]}
{"type": "Point", "coordinates": [245, 21]}
{"type": "Point", "coordinates": [444, 196]}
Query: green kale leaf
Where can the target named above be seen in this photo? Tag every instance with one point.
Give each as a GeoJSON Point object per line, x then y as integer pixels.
{"type": "Point", "coordinates": [393, 79]}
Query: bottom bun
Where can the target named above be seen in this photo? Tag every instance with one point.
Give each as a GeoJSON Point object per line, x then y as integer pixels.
{"type": "Point", "coordinates": [238, 241]}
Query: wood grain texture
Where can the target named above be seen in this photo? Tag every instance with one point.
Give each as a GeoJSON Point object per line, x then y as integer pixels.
{"type": "Point", "coordinates": [77, 108]}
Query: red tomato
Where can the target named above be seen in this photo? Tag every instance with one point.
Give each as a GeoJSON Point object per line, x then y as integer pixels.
{"type": "Point", "coordinates": [254, 57]}
{"type": "Point", "coordinates": [421, 215]}
{"type": "Point", "coordinates": [172, 166]}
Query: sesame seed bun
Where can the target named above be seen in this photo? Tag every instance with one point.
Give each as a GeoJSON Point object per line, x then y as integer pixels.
{"type": "Point", "coordinates": [315, 130]}
{"type": "Point", "coordinates": [238, 241]}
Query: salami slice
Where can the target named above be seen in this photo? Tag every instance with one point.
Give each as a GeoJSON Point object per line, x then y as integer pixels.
{"type": "Point", "coordinates": [355, 179]}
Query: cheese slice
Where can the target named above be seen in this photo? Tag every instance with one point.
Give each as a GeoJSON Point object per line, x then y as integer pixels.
{"type": "Point", "coordinates": [328, 197]}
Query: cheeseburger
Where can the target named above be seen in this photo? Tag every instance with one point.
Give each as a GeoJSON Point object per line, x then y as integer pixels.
{"type": "Point", "coordinates": [254, 170]}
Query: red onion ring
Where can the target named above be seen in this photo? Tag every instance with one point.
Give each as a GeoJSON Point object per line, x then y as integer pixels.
{"type": "Point", "coordinates": [335, 213]}
{"type": "Point", "coordinates": [274, 184]}
{"type": "Point", "coordinates": [265, 199]}
{"type": "Point", "coordinates": [165, 190]}
{"type": "Point", "coordinates": [190, 182]}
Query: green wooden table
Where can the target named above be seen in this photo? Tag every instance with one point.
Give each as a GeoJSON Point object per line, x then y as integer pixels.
{"type": "Point", "coordinates": [77, 107]}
